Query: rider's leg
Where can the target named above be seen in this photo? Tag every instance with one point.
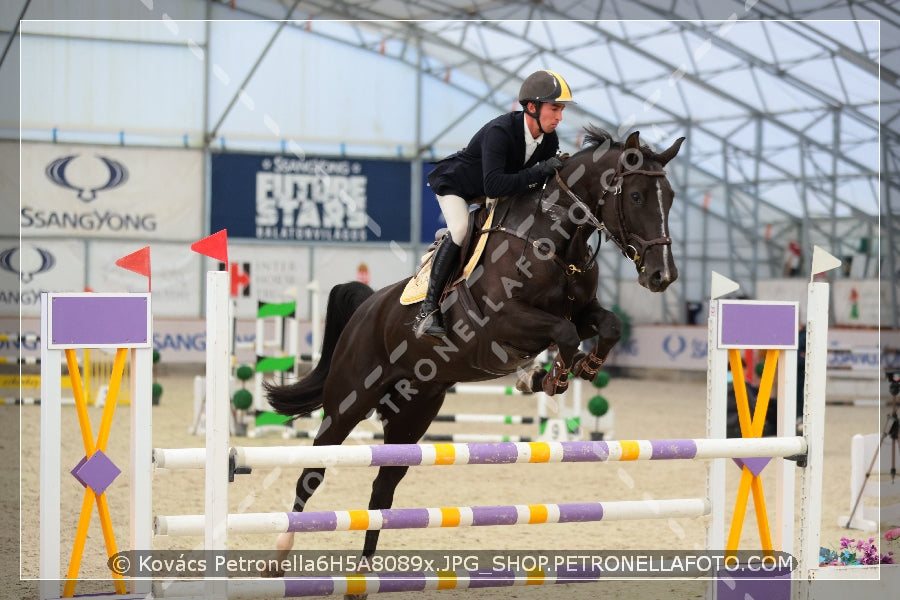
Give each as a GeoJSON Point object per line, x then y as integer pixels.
{"type": "Point", "coordinates": [430, 321]}
{"type": "Point", "coordinates": [456, 213]}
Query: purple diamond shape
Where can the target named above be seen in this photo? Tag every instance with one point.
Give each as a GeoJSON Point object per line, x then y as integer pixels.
{"type": "Point", "coordinates": [756, 465]}
{"type": "Point", "coordinates": [96, 472]}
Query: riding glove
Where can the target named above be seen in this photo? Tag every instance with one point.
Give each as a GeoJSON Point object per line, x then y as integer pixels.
{"type": "Point", "coordinates": [548, 167]}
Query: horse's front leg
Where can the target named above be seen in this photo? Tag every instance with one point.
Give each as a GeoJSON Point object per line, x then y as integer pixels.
{"type": "Point", "coordinates": [541, 324]}
{"type": "Point", "coordinates": [607, 326]}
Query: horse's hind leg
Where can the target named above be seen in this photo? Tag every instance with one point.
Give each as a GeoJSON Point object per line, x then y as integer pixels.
{"type": "Point", "coordinates": [405, 422]}
{"type": "Point", "coordinates": [336, 426]}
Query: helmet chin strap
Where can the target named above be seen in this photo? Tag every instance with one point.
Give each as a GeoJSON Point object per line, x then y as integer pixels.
{"type": "Point", "coordinates": [536, 115]}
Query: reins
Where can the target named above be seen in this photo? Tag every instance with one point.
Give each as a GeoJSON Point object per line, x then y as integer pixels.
{"type": "Point", "coordinates": [632, 246]}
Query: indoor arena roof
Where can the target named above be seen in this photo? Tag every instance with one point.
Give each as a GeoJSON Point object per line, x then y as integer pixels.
{"type": "Point", "coordinates": [784, 101]}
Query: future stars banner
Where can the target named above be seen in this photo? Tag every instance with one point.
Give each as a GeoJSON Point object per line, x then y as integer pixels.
{"type": "Point", "coordinates": [284, 198]}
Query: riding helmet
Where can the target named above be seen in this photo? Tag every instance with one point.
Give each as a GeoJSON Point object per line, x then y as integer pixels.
{"type": "Point", "coordinates": [545, 86]}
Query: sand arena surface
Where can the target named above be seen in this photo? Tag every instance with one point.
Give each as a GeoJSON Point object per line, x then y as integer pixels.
{"type": "Point", "coordinates": [644, 409]}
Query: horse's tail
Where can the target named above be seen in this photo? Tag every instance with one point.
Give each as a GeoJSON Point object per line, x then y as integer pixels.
{"type": "Point", "coordinates": [305, 396]}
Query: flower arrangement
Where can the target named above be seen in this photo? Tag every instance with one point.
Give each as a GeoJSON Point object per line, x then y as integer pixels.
{"type": "Point", "coordinates": [858, 552]}
{"type": "Point", "coordinates": [892, 535]}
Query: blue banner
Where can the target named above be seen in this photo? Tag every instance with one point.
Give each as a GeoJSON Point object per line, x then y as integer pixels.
{"type": "Point", "coordinates": [284, 198]}
{"type": "Point", "coordinates": [432, 219]}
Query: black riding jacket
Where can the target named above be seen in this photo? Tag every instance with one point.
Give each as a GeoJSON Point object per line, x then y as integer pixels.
{"type": "Point", "coordinates": [492, 164]}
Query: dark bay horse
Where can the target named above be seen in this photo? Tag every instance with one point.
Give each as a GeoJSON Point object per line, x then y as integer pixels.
{"type": "Point", "coordinates": [536, 286]}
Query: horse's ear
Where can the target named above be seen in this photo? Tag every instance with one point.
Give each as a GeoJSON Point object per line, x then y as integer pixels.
{"type": "Point", "coordinates": [633, 142]}
{"type": "Point", "coordinates": [666, 155]}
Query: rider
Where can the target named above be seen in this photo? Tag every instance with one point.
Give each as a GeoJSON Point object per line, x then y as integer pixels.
{"type": "Point", "coordinates": [507, 155]}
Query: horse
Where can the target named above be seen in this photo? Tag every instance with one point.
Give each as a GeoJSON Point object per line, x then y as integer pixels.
{"type": "Point", "coordinates": [536, 286]}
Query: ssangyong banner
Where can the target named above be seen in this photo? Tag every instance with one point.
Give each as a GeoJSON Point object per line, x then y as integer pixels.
{"type": "Point", "coordinates": [111, 192]}
{"type": "Point", "coordinates": [283, 198]}
{"type": "Point", "coordinates": [34, 266]}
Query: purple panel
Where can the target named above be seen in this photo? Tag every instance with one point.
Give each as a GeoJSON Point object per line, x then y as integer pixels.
{"type": "Point", "coordinates": [585, 452]}
{"type": "Point", "coordinates": [401, 582]}
{"type": "Point", "coordinates": [760, 325]}
{"type": "Point", "coordinates": [295, 587]}
{"type": "Point", "coordinates": [104, 320]}
{"type": "Point", "coordinates": [738, 585]}
{"type": "Point", "coordinates": [580, 512]}
{"type": "Point", "coordinates": [500, 453]}
{"type": "Point", "coordinates": [97, 472]}
{"type": "Point", "coordinates": [387, 455]}
{"type": "Point", "coordinates": [673, 449]}
{"type": "Point", "coordinates": [756, 465]}
{"type": "Point", "coordinates": [404, 518]}
{"type": "Point", "coordinates": [495, 579]}
{"type": "Point", "coordinates": [311, 521]}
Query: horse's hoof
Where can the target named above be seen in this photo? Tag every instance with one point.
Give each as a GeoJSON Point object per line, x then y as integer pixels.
{"type": "Point", "coordinates": [271, 574]}
{"type": "Point", "coordinates": [531, 380]}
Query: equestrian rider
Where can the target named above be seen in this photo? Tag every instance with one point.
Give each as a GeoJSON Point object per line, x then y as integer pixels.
{"type": "Point", "coordinates": [510, 154]}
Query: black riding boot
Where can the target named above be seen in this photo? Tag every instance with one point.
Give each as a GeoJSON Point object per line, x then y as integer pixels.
{"type": "Point", "coordinates": [430, 321]}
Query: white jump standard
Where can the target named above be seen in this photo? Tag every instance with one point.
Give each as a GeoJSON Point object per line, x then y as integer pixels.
{"type": "Point", "coordinates": [69, 322]}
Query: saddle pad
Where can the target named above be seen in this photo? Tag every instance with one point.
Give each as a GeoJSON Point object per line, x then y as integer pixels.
{"type": "Point", "coordinates": [417, 288]}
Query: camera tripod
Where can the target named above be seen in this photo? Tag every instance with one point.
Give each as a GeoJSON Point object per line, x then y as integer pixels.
{"type": "Point", "coordinates": [892, 429]}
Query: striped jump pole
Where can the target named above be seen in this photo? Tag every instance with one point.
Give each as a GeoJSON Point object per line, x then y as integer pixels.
{"type": "Point", "coordinates": [386, 455]}
{"type": "Point", "coordinates": [19, 360]}
{"type": "Point", "coordinates": [464, 418]}
{"type": "Point", "coordinates": [17, 338]}
{"type": "Point", "coordinates": [486, 418]}
{"type": "Point", "coordinates": [486, 388]}
{"type": "Point", "coordinates": [372, 583]}
{"type": "Point", "coordinates": [420, 518]}
{"type": "Point", "coordinates": [459, 438]}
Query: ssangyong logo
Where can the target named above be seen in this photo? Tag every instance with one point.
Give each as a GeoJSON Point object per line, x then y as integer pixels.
{"type": "Point", "coordinates": [90, 178]}
{"type": "Point", "coordinates": [37, 262]}
{"type": "Point", "coordinates": [56, 172]}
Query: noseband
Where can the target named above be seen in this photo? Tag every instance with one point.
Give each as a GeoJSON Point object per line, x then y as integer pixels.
{"type": "Point", "coordinates": [633, 246]}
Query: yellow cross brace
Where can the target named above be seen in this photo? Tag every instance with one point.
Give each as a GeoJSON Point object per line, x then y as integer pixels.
{"type": "Point", "coordinates": [90, 447]}
{"type": "Point", "coordinates": [751, 427]}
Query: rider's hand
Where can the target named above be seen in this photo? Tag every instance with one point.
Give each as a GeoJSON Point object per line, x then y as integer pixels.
{"type": "Point", "coordinates": [548, 167]}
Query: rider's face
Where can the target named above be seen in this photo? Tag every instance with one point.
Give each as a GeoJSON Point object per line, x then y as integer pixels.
{"type": "Point", "coordinates": [551, 115]}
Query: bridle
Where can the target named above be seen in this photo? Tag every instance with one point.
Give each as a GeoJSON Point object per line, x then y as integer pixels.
{"type": "Point", "coordinates": [633, 246]}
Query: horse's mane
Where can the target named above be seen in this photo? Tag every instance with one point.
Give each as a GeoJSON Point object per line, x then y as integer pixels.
{"type": "Point", "coordinates": [595, 136]}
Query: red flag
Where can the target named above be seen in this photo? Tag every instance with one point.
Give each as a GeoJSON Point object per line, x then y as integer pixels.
{"type": "Point", "coordinates": [214, 246]}
{"type": "Point", "coordinates": [139, 262]}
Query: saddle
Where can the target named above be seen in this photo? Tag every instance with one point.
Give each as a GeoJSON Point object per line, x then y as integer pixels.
{"type": "Point", "coordinates": [480, 221]}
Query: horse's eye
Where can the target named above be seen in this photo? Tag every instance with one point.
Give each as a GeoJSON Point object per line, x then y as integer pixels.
{"type": "Point", "coordinates": [636, 197]}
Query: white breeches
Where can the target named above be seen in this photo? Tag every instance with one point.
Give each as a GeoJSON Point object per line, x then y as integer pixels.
{"type": "Point", "coordinates": [456, 213]}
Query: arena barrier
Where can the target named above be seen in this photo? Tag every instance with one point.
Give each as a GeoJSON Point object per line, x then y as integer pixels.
{"type": "Point", "coordinates": [732, 325]}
